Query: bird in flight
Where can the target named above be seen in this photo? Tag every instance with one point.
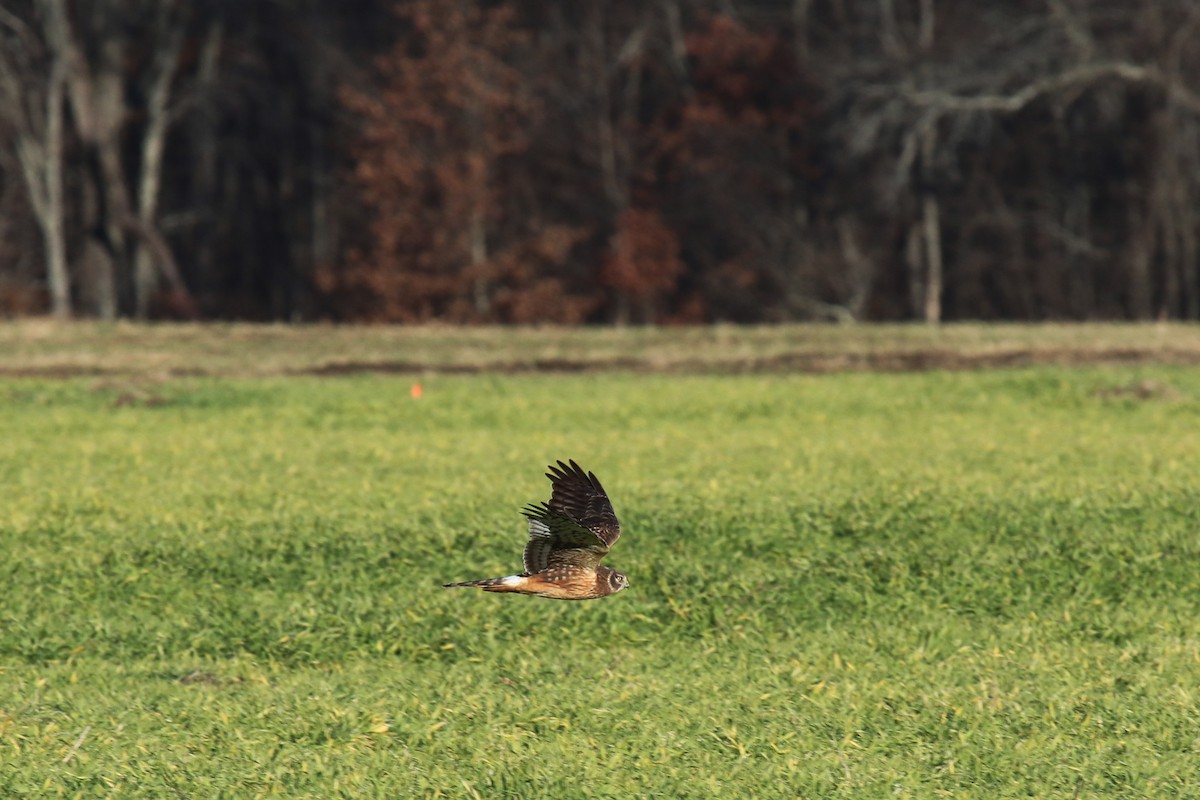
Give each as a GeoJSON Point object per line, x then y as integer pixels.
{"type": "Point", "coordinates": [567, 538]}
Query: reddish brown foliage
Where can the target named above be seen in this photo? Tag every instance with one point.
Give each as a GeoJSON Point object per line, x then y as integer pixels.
{"type": "Point", "coordinates": [643, 261]}
{"type": "Point", "coordinates": [432, 164]}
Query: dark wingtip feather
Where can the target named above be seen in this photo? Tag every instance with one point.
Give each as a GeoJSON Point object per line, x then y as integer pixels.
{"type": "Point", "coordinates": [562, 471]}
{"type": "Point", "coordinates": [535, 510]}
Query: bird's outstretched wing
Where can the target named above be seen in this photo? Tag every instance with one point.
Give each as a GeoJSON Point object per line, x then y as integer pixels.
{"type": "Point", "coordinates": [576, 528]}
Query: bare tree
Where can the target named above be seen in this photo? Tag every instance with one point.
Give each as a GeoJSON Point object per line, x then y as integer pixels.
{"type": "Point", "coordinates": [1156, 207]}
{"type": "Point", "coordinates": [33, 72]}
{"type": "Point", "coordinates": [97, 80]}
{"type": "Point", "coordinates": [957, 91]}
{"type": "Point", "coordinates": [158, 112]}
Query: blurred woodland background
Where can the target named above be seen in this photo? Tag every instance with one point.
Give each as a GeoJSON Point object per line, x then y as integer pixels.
{"type": "Point", "coordinates": [631, 161]}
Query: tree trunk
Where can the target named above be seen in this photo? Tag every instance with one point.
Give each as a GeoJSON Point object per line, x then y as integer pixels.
{"type": "Point", "coordinates": [859, 269]}
{"type": "Point", "coordinates": [481, 290]}
{"type": "Point", "coordinates": [933, 231]}
{"type": "Point", "coordinates": [649, 311]}
{"type": "Point", "coordinates": [914, 262]}
{"type": "Point", "coordinates": [39, 145]}
{"type": "Point", "coordinates": [624, 305]}
{"type": "Point", "coordinates": [926, 25]}
{"type": "Point", "coordinates": [52, 220]}
{"type": "Point", "coordinates": [98, 288]}
{"type": "Point", "coordinates": [41, 164]}
{"type": "Point", "coordinates": [800, 25]}
{"type": "Point", "coordinates": [889, 36]}
{"type": "Point", "coordinates": [98, 103]}
{"type": "Point", "coordinates": [933, 259]}
{"type": "Point", "coordinates": [1189, 264]}
{"type": "Point", "coordinates": [1138, 254]}
{"type": "Point", "coordinates": [153, 144]}
{"type": "Point", "coordinates": [613, 125]}
{"type": "Point", "coordinates": [204, 234]}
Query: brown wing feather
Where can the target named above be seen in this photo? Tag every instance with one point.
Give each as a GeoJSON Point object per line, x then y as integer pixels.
{"type": "Point", "coordinates": [579, 496]}
{"type": "Point", "coordinates": [577, 527]}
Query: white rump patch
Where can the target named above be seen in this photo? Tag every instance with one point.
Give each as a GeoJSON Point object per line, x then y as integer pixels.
{"type": "Point", "coordinates": [513, 580]}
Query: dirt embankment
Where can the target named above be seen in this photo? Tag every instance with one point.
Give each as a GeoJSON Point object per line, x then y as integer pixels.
{"type": "Point", "coordinates": [42, 350]}
{"type": "Point", "coordinates": [906, 361]}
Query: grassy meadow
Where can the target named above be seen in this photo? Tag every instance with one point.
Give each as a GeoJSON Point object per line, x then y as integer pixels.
{"type": "Point", "coordinates": [969, 584]}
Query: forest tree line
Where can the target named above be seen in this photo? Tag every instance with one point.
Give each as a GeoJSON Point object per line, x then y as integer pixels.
{"type": "Point", "coordinates": [629, 161]}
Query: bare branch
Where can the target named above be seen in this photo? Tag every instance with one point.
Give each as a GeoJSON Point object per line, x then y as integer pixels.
{"type": "Point", "coordinates": [889, 35]}
{"type": "Point", "coordinates": [1072, 242]}
{"type": "Point", "coordinates": [913, 140]}
{"type": "Point", "coordinates": [928, 24]}
{"type": "Point", "coordinates": [946, 102]}
{"type": "Point", "coordinates": [1076, 32]}
{"type": "Point", "coordinates": [14, 24]}
{"type": "Point", "coordinates": [1175, 47]}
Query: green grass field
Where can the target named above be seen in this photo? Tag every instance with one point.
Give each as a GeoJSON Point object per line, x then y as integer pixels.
{"type": "Point", "coordinates": [966, 584]}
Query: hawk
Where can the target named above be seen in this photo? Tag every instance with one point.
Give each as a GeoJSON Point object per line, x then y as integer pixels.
{"type": "Point", "coordinates": [567, 538]}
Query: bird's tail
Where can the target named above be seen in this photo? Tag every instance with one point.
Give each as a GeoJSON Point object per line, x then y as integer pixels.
{"type": "Point", "coordinates": [509, 583]}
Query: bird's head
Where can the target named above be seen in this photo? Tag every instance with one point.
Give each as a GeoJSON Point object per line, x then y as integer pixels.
{"type": "Point", "coordinates": [617, 581]}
